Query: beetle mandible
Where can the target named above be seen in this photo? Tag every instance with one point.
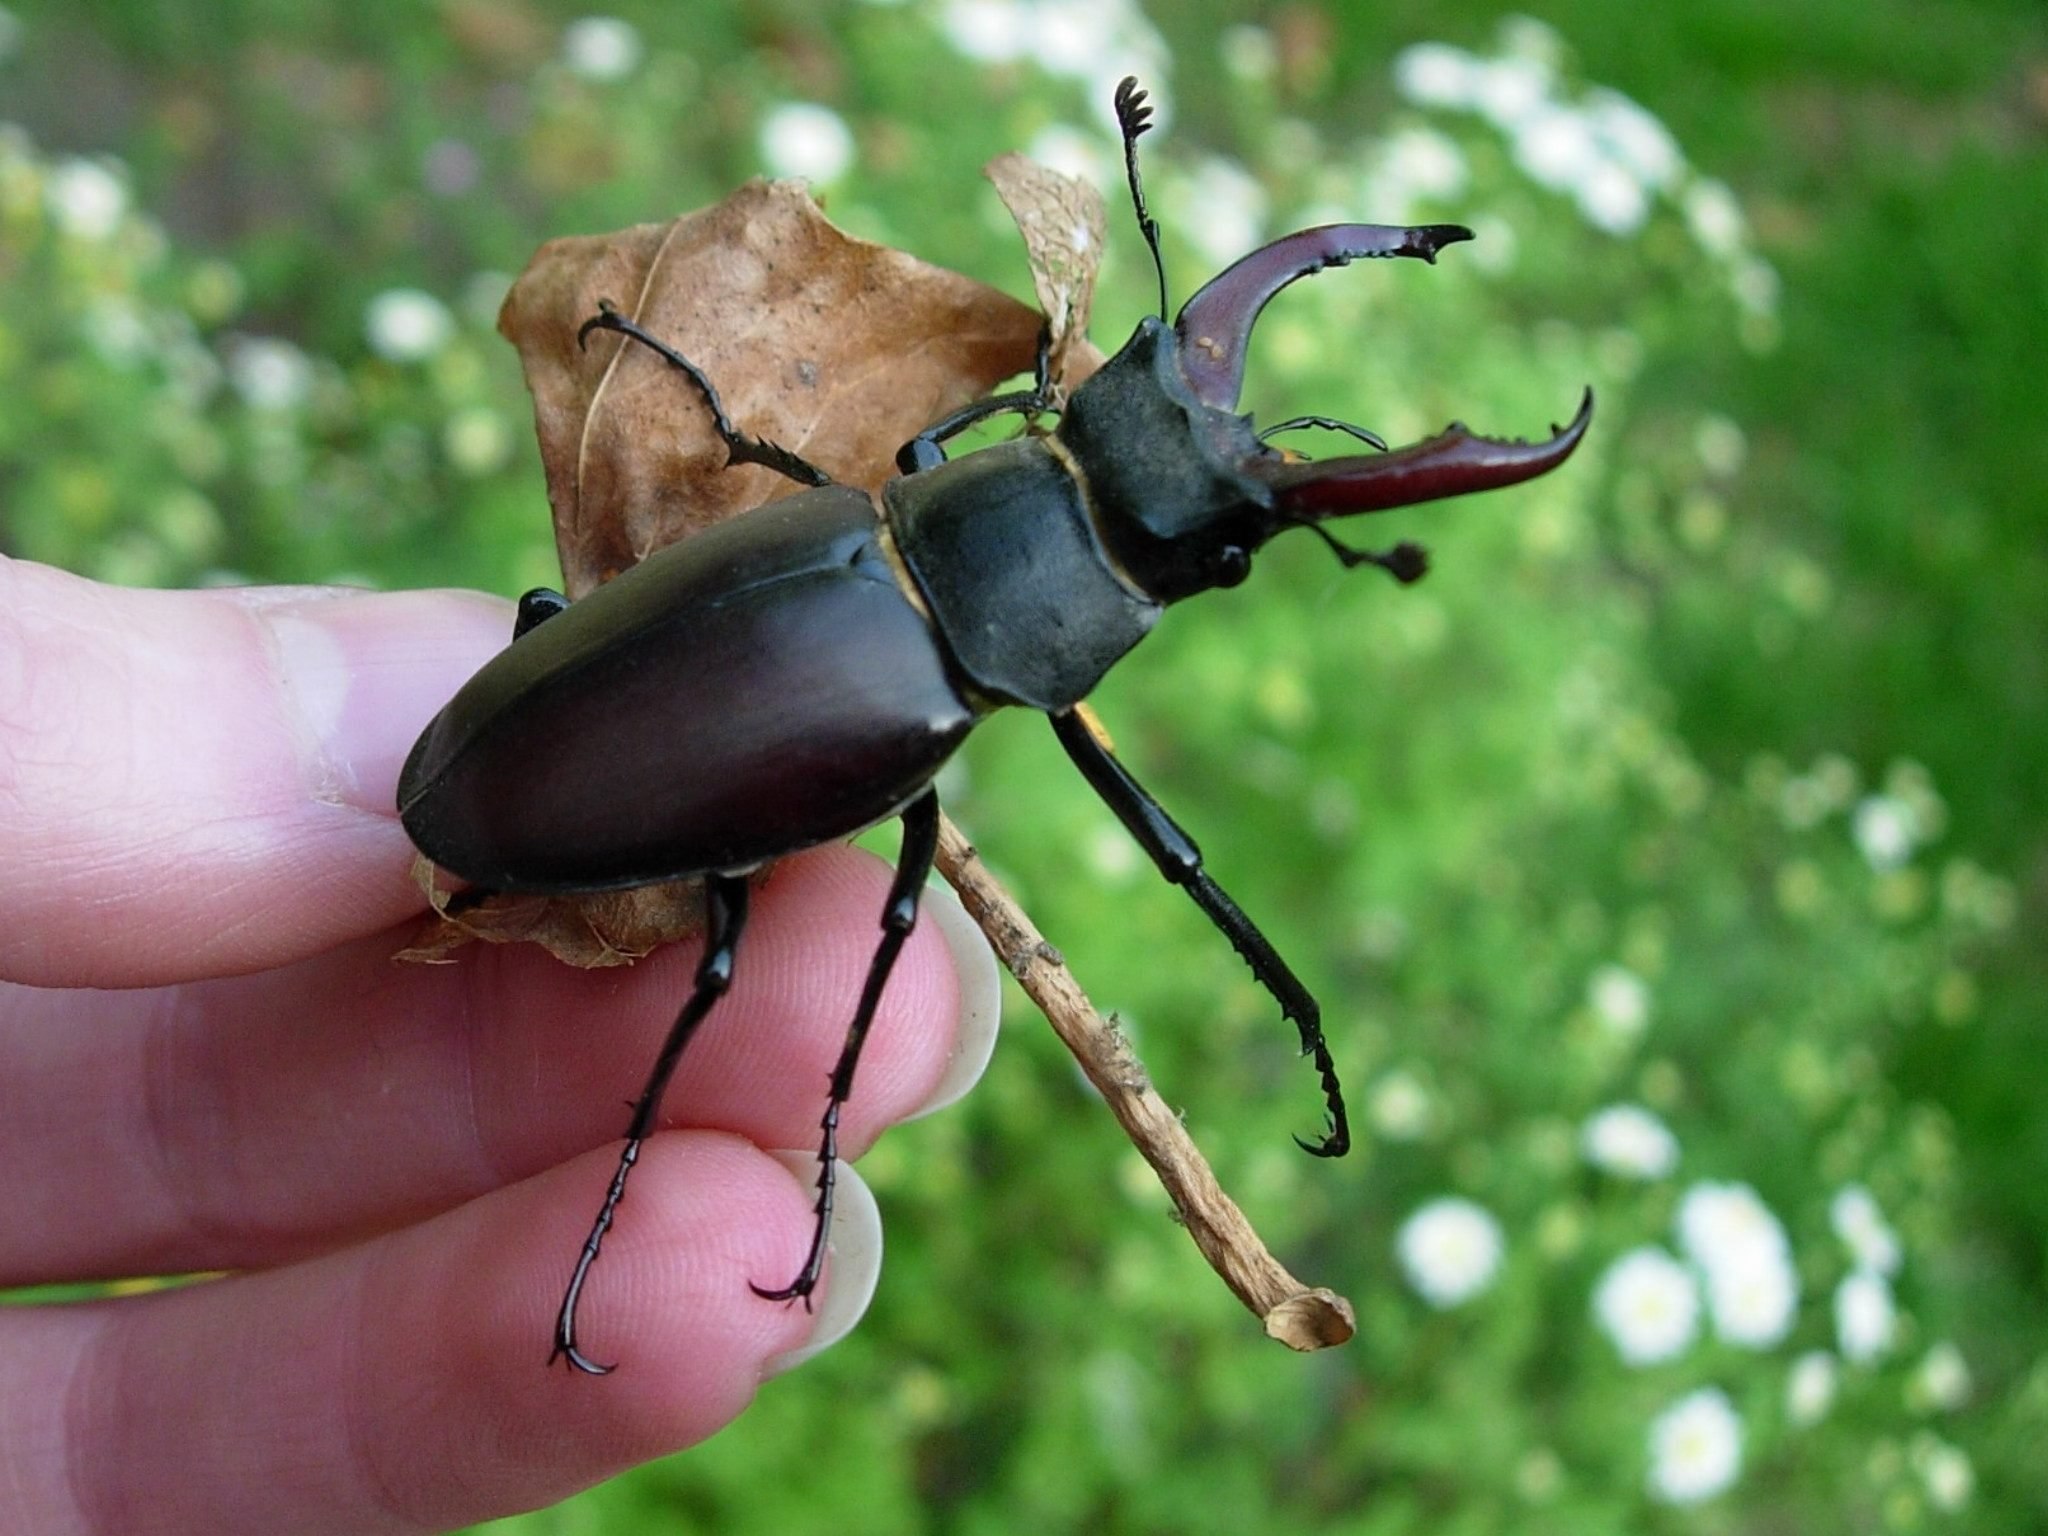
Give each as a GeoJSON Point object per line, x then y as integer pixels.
{"type": "Point", "coordinates": [872, 639]}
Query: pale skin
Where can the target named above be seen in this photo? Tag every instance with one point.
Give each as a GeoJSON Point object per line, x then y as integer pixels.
{"type": "Point", "coordinates": [209, 1061]}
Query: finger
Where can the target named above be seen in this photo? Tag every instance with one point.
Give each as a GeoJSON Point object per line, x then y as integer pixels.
{"type": "Point", "coordinates": [400, 1386]}
{"type": "Point", "coordinates": [199, 783]}
{"type": "Point", "coordinates": [253, 1120]}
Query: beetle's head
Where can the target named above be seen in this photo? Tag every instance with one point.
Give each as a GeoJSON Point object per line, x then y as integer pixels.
{"type": "Point", "coordinates": [1182, 486]}
{"type": "Point", "coordinates": [1183, 490]}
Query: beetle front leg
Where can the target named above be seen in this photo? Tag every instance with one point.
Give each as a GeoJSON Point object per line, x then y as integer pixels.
{"type": "Point", "coordinates": [913, 867]}
{"type": "Point", "coordinates": [725, 917]}
{"type": "Point", "coordinates": [740, 448]}
{"type": "Point", "coordinates": [924, 452]}
{"type": "Point", "coordinates": [536, 608]}
{"type": "Point", "coordinates": [1180, 861]}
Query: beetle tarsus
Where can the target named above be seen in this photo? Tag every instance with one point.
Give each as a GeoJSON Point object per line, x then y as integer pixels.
{"type": "Point", "coordinates": [1177, 857]}
{"type": "Point", "coordinates": [740, 447]}
{"type": "Point", "coordinates": [924, 451]}
{"type": "Point", "coordinates": [725, 918]}
{"type": "Point", "coordinates": [899, 916]}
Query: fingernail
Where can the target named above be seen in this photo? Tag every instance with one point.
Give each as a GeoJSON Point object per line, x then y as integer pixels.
{"type": "Point", "coordinates": [364, 672]}
{"type": "Point", "coordinates": [981, 999]}
{"type": "Point", "coordinates": [856, 1249]}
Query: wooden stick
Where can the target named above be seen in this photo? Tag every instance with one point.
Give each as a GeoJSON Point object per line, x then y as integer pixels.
{"type": "Point", "coordinates": [1299, 1316]}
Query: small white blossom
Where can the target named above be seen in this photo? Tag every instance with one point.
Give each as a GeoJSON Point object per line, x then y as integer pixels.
{"type": "Point", "coordinates": [1556, 147]}
{"type": "Point", "coordinates": [1451, 1250]}
{"type": "Point", "coordinates": [1810, 1389]}
{"type": "Point", "coordinates": [1438, 75]}
{"type": "Point", "coordinates": [1628, 1141]}
{"type": "Point", "coordinates": [1727, 1226]}
{"type": "Point", "coordinates": [1071, 37]}
{"type": "Point", "coordinates": [1638, 140]}
{"type": "Point", "coordinates": [269, 373]}
{"type": "Point", "coordinates": [1511, 90]}
{"type": "Point", "coordinates": [1753, 1296]}
{"type": "Point", "coordinates": [1715, 217]}
{"type": "Point", "coordinates": [1949, 1477]}
{"type": "Point", "coordinates": [1943, 1380]}
{"type": "Point", "coordinates": [1398, 1107]}
{"type": "Point", "coordinates": [988, 31]}
{"type": "Point", "coordinates": [1695, 1448]}
{"type": "Point", "coordinates": [1885, 831]}
{"type": "Point", "coordinates": [1866, 1318]}
{"type": "Point", "coordinates": [1425, 163]}
{"type": "Point", "coordinates": [405, 325]}
{"type": "Point", "coordinates": [86, 198]}
{"type": "Point", "coordinates": [1857, 1221]}
{"type": "Point", "coordinates": [1233, 205]}
{"type": "Point", "coordinates": [1066, 149]}
{"type": "Point", "coordinates": [1647, 1303]}
{"type": "Point", "coordinates": [1612, 200]}
{"type": "Point", "coordinates": [1620, 999]}
{"type": "Point", "coordinates": [805, 140]}
{"type": "Point", "coordinates": [602, 47]}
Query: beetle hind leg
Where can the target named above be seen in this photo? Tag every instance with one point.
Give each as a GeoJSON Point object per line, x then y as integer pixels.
{"type": "Point", "coordinates": [913, 866]}
{"type": "Point", "coordinates": [740, 447]}
{"type": "Point", "coordinates": [725, 905]}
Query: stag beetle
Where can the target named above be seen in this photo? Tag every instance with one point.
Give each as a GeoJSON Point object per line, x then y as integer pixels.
{"type": "Point", "coordinates": [845, 650]}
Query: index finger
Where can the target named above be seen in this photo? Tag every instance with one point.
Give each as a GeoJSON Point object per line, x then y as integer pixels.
{"type": "Point", "coordinates": [202, 783]}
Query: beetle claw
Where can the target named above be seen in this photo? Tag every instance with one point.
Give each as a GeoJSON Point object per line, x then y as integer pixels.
{"type": "Point", "coordinates": [798, 1289]}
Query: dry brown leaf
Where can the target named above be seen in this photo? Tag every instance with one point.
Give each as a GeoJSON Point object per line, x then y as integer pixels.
{"type": "Point", "coordinates": [1063, 223]}
{"type": "Point", "coordinates": [609, 928]}
{"type": "Point", "coordinates": [838, 349]}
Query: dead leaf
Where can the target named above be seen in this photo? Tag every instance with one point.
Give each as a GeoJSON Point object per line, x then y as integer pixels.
{"type": "Point", "coordinates": [838, 349]}
{"type": "Point", "coordinates": [1064, 226]}
{"type": "Point", "coordinates": [609, 928]}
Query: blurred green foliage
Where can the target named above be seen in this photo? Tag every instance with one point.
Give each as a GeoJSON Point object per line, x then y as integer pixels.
{"type": "Point", "coordinates": [1702, 777]}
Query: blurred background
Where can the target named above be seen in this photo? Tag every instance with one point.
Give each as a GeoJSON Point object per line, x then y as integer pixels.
{"type": "Point", "coordinates": [1672, 862]}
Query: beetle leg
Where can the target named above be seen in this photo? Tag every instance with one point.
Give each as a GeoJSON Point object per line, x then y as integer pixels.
{"type": "Point", "coordinates": [1180, 861]}
{"type": "Point", "coordinates": [1328, 424]}
{"type": "Point", "coordinates": [725, 909]}
{"type": "Point", "coordinates": [536, 608]}
{"type": "Point", "coordinates": [739, 447]}
{"type": "Point", "coordinates": [923, 452]}
{"type": "Point", "coordinates": [913, 867]}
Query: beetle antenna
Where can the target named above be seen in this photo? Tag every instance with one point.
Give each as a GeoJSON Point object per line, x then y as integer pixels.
{"type": "Point", "coordinates": [1405, 562]}
{"type": "Point", "coordinates": [1133, 118]}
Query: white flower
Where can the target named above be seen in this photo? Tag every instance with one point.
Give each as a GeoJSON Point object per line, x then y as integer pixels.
{"type": "Point", "coordinates": [1071, 37]}
{"type": "Point", "coordinates": [405, 325]}
{"type": "Point", "coordinates": [1612, 200]}
{"type": "Point", "coordinates": [1556, 148]}
{"type": "Point", "coordinates": [269, 373]}
{"type": "Point", "coordinates": [1398, 1107]}
{"type": "Point", "coordinates": [1425, 162]}
{"type": "Point", "coordinates": [1437, 75]}
{"type": "Point", "coordinates": [1947, 1472]}
{"type": "Point", "coordinates": [1451, 1249]}
{"type": "Point", "coordinates": [1726, 1225]}
{"type": "Point", "coordinates": [1620, 999]}
{"type": "Point", "coordinates": [1714, 217]}
{"type": "Point", "coordinates": [1866, 1318]}
{"type": "Point", "coordinates": [1638, 140]}
{"type": "Point", "coordinates": [1628, 1141]}
{"type": "Point", "coordinates": [803, 139]}
{"type": "Point", "coordinates": [86, 198]}
{"type": "Point", "coordinates": [1233, 209]}
{"type": "Point", "coordinates": [1753, 1296]}
{"type": "Point", "coordinates": [1885, 830]}
{"type": "Point", "coordinates": [1695, 1448]}
{"type": "Point", "coordinates": [602, 47]}
{"type": "Point", "coordinates": [989, 31]}
{"type": "Point", "coordinates": [1511, 90]}
{"type": "Point", "coordinates": [476, 440]}
{"type": "Point", "coordinates": [1857, 1221]}
{"type": "Point", "coordinates": [1810, 1389]}
{"type": "Point", "coordinates": [1943, 1380]}
{"type": "Point", "coordinates": [1647, 1303]}
{"type": "Point", "coordinates": [1066, 149]}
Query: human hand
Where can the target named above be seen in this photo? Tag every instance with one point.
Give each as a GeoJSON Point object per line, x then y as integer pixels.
{"type": "Point", "coordinates": [210, 1062]}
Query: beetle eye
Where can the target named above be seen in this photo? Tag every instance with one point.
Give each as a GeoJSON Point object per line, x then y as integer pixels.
{"type": "Point", "coordinates": [1232, 564]}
